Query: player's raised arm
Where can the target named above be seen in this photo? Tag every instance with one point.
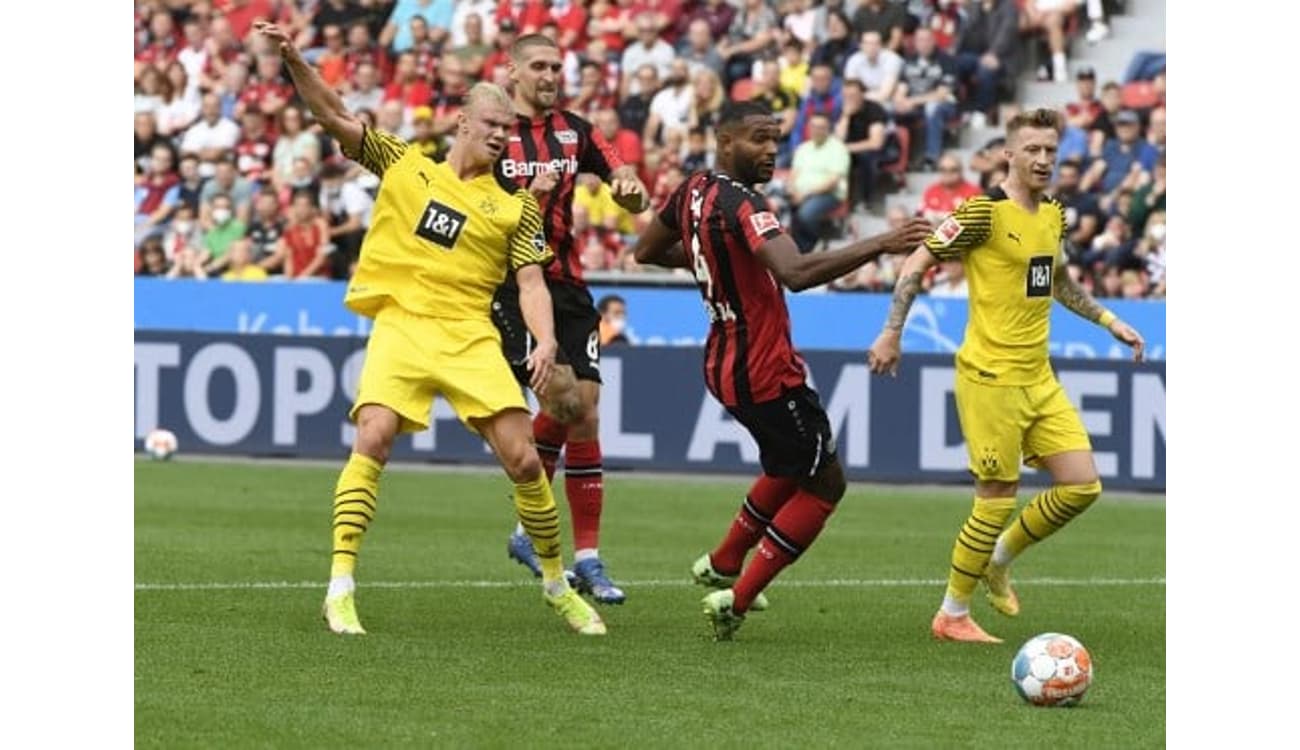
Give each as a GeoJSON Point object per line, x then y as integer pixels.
{"type": "Point", "coordinates": [1077, 300]}
{"type": "Point", "coordinates": [797, 271]}
{"type": "Point", "coordinates": [324, 103]}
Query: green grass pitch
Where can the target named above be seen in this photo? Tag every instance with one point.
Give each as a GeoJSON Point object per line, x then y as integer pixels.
{"type": "Point", "coordinates": [463, 653]}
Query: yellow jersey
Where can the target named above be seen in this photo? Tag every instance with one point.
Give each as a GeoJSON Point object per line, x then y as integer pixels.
{"type": "Point", "coordinates": [1009, 255]}
{"type": "Point", "coordinates": [601, 207]}
{"type": "Point", "coordinates": [437, 245]}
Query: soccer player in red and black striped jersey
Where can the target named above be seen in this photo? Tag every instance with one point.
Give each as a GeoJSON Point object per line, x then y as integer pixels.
{"type": "Point", "coordinates": [716, 225]}
{"type": "Point", "coordinates": [547, 149]}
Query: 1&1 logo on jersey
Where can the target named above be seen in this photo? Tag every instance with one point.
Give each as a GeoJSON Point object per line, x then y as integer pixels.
{"type": "Point", "coordinates": [441, 224]}
{"type": "Point", "coordinates": [1039, 282]}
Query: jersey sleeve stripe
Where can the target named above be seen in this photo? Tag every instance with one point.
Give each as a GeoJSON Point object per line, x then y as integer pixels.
{"type": "Point", "coordinates": [379, 150]}
{"type": "Point", "coordinates": [524, 243]}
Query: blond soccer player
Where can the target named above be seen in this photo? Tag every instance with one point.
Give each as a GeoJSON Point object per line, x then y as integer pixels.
{"type": "Point", "coordinates": [1009, 402]}
{"type": "Point", "coordinates": [442, 237]}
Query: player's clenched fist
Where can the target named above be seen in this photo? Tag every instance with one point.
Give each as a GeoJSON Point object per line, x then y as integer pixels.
{"type": "Point", "coordinates": [276, 35]}
{"type": "Point", "coordinates": [544, 182]}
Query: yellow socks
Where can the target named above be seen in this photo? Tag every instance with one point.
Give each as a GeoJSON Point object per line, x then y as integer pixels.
{"type": "Point", "coordinates": [1043, 516]}
{"type": "Point", "coordinates": [536, 508]}
{"type": "Point", "coordinates": [354, 509]}
{"type": "Point", "coordinates": [971, 551]}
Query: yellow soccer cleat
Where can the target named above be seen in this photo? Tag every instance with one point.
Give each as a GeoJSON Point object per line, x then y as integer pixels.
{"type": "Point", "coordinates": [340, 611]}
{"type": "Point", "coordinates": [962, 628]}
{"type": "Point", "coordinates": [702, 573]}
{"type": "Point", "coordinates": [1000, 594]}
{"type": "Point", "coordinates": [575, 610]}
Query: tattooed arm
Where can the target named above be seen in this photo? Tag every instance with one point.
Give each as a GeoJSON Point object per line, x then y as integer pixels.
{"type": "Point", "coordinates": [1077, 300]}
{"type": "Point", "coordinates": [887, 351]}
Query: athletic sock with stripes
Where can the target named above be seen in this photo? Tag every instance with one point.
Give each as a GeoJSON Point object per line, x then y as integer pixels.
{"type": "Point", "coordinates": [537, 513]}
{"type": "Point", "coordinates": [1043, 516]}
{"type": "Point", "coordinates": [765, 499]}
{"type": "Point", "coordinates": [971, 550]}
{"type": "Point", "coordinates": [792, 531]}
{"type": "Point", "coordinates": [355, 500]}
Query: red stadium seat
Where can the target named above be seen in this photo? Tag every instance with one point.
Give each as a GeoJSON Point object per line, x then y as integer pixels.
{"type": "Point", "coordinates": [1139, 95]}
{"type": "Point", "coordinates": [743, 90]}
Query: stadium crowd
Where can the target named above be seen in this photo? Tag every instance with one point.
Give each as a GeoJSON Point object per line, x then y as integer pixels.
{"type": "Point", "coordinates": [233, 179]}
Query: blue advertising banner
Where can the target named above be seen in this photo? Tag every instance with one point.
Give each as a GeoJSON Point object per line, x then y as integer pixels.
{"type": "Point", "coordinates": [289, 396]}
{"type": "Point", "coordinates": [656, 316]}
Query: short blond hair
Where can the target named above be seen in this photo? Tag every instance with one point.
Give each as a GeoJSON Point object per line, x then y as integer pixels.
{"type": "Point", "coordinates": [1036, 118]}
{"type": "Point", "coordinates": [483, 92]}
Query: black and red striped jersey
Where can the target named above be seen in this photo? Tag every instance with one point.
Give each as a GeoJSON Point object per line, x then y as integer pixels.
{"type": "Point", "coordinates": [568, 144]}
{"type": "Point", "coordinates": [749, 357]}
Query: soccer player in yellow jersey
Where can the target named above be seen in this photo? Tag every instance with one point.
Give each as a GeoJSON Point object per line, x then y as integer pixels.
{"type": "Point", "coordinates": [1010, 404]}
{"type": "Point", "coordinates": [442, 237]}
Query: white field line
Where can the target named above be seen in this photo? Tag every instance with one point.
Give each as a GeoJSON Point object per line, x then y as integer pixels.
{"type": "Point", "coordinates": [852, 583]}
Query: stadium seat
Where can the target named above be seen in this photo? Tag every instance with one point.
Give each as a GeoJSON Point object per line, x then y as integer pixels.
{"type": "Point", "coordinates": [743, 89]}
{"type": "Point", "coordinates": [1139, 95]}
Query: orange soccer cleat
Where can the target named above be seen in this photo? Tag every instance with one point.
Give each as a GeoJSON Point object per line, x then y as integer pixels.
{"type": "Point", "coordinates": [962, 628]}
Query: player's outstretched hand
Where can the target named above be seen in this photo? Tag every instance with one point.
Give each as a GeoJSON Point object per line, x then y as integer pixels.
{"type": "Point", "coordinates": [277, 36]}
{"type": "Point", "coordinates": [541, 363]}
{"type": "Point", "coordinates": [907, 237]}
{"type": "Point", "coordinates": [627, 194]}
{"type": "Point", "coordinates": [544, 182]}
{"type": "Point", "coordinates": [884, 355]}
{"type": "Point", "coordinates": [1127, 334]}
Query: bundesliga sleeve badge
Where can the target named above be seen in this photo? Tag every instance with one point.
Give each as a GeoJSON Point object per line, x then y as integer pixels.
{"type": "Point", "coordinates": [948, 231]}
{"type": "Point", "coordinates": [763, 222]}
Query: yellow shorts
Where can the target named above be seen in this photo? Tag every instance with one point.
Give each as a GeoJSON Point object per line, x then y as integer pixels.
{"type": "Point", "coordinates": [411, 358]}
{"type": "Point", "coordinates": [1000, 423]}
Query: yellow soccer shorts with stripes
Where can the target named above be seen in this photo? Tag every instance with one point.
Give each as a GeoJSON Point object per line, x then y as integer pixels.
{"type": "Point", "coordinates": [1002, 424]}
{"type": "Point", "coordinates": [412, 359]}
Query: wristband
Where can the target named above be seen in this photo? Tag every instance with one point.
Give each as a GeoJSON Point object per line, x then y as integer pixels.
{"type": "Point", "coordinates": [1107, 317]}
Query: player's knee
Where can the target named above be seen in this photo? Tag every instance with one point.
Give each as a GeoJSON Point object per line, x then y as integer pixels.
{"type": "Point", "coordinates": [374, 442]}
{"type": "Point", "coordinates": [565, 407]}
{"type": "Point", "coordinates": [1080, 495]}
{"type": "Point", "coordinates": [525, 467]}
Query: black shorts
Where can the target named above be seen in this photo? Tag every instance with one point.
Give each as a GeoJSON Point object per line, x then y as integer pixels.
{"type": "Point", "coordinates": [577, 330]}
{"type": "Point", "coordinates": [793, 433]}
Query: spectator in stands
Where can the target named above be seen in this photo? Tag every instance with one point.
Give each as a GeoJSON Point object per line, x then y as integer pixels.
{"type": "Point", "coordinates": [634, 111]}
{"type": "Point", "coordinates": [423, 136]}
{"type": "Point", "coordinates": [391, 117]}
{"type": "Point", "coordinates": [823, 98]}
{"type": "Point", "coordinates": [570, 19]}
{"type": "Point", "coordinates": [1083, 112]}
{"type": "Point", "coordinates": [225, 229]}
{"type": "Point", "coordinates": [1122, 156]}
{"type": "Point", "coordinates": [240, 265]}
{"type": "Point", "coordinates": [1151, 252]}
{"type": "Point", "coordinates": [226, 182]}
{"type": "Point", "coordinates": [187, 265]}
{"type": "Point", "coordinates": [752, 36]}
{"type": "Point", "coordinates": [1083, 216]}
{"type": "Point", "coordinates": [1050, 16]}
{"type": "Point", "coordinates": [332, 61]}
{"type": "Point", "coordinates": [254, 148]}
{"type": "Point", "coordinates": [670, 110]}
{"type": "Point", "coordinates": [146, 138]}
{"type": "Point", "coordinates": [887, 19]}
{"type": "Point", "coordinates": [230, 87]}
{"type": "Point", "coordinates": [475, 50]}
{"type": "Point", "coordinates": [149, 91]}
{"type": "Point", "coordinates": [486, 10]}
{"type": "Point", "coordinates": [861, 127]}
{"type": "Point", "coordinates": [361, 50]}
{"type": "Point", "coordinates": [266, 228]}
{"type": "Point", "coordinates": [268, 91]}
{"type": "Point", "coordinates": [499, 57]}
{"type": "Point", "coordinates": [648, 49]}
{"type": "Point", "coordinates": [1156, 129]}
{"type": "Point", "coordinates": [193, 56]}
{"type": "Point", "coordinates": [191, 183]}
{"type": "Point", "coordinates": [591, 95]}
{"type": "Point", "coordinates": [427, 46]}
{"type": "Point", "coordinates": [926, 93]}
{"type": "Point", "coordinates": [396, 33]}
{"type": "Point", "coordinates": [625, 141]}
{"type": "Point", "coordinates": [183, 232]}
{"type": "Point", "coordinates": [818, 180]}
{"type": "Point", "coordinates": [213, 135]}
{"type": "Point", "coordinates": [784, 104]}
{"type": "Point", "coordinates": [799, 21]}
{"type": "Point", "coordinates": [986, 52]}
{"type": "Point", "coordinates": [698, 50]}
{"type": "Point", "coordinates": [408, 85]}
{"type": "Point", "coordinates": [177, 111]}
{"type": "Point", "coordinates": [1112, 248]}
{"type": "Point", "coordinates": [1112, 102]}
{"type": "Point", "coordinates": [943, 196]}
{"type": "Point", "coordinates": [699, 155]}
{"type": "Point", "coordinates": [1149, 198]}
{"type": "Point", "coordinates": [153, 262]}
{"type": "Point", "coordinates": [347, 210]}
{"type": "Point", "coordinates": [839, 44]}
{"type": "Point", "coordinates": [304, 250]}
{"type": "Point", "coordinates": [157, 195]}
{"type": "Point", "coordinates": [717, 16]}
{"type": "Point", "coordinates": [613, 320]}
{"type": "Point", "coordinates": [295, 142]}
{"type": "Point", "coordinates": [365, 93]}
{"type": "Point", "coordinates": [449, 94]}
{"type": "Point", "coordinates": [706, 103]}
{"type": "Point", "coordinates": [876, 67]}
{"type": "Point", "coordinates": [608, 21]}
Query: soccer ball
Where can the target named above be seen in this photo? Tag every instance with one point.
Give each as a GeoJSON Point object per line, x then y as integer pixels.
{"type": "Point", "coordinates": [160, 444]}
{"type": "Point", "coordinates": [1052, 670]}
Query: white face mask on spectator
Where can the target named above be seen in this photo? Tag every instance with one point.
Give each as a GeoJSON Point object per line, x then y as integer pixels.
{"type": "Point", "coordinates": [1157, 232]}
{"type": "Point", "coordinates": [221, 215]}
{"type": "Point", "coordinates": [617, 325]}
{"type": "Point", "coordinates": [183, 227]}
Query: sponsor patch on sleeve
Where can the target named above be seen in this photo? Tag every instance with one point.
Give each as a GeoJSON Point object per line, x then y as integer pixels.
{"type": "Point", "coordinates": [948, 231]}
{"type": "Point", "coordinates": [763, 222]}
